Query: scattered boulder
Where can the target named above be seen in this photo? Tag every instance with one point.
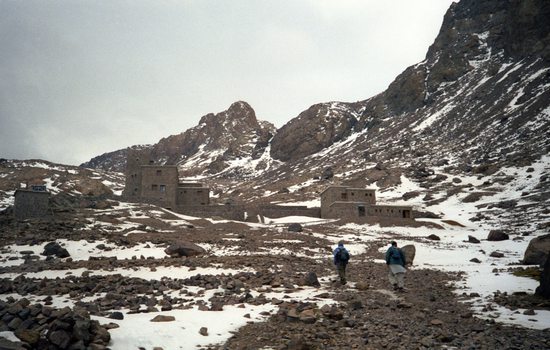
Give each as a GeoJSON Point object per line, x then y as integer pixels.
{"type": "Point", "coordinates": [53, 248]}
{"type": "Point", "coordinates": [203, 331]}
{"type": "Point", "coordinates": [184, 249]}
{"type": "Point", "coordinates": [328, 174]}
{"type": "Point", "coordinates": [116, 315]}
{"type": "Point", "coordinates": [434, 237]}
{"type": "Point", "coordinates": [311, 280]}
{"type": "Point", "coordinates": [295, 227]}
{"type": "Point", "coordinates": [408, 195]}
{"type": "Point", "coordinates": [544, 289]}
{"type": "Point", "coordinates": [496, 254]}
{"type": "Point", "coordinates": [308, 316]}
{"type": "Point", "coordinates": [475, 260]}
{"type": "Point", "coordinates": [409, 251]}
{"type": "Point", "coordinates": [498, 235]}
{"type": "Point", "coordinates": [537, 251]}
{"type": "Point", "coordinates": [509, 204]}
{"type": "Point", "coordinates": [27, 335]}
{"type": "Point", "coordinates": [472, 239]}
{"type": "Point", "coordinates": [163, 318]}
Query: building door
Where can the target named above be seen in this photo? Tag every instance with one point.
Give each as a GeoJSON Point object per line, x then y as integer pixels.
{"type": "Point", "coordinates": [361, 210]}
{"type": "Point", "coordinates": [406, 214]}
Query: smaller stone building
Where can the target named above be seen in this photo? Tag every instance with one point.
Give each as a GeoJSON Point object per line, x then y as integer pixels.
{"type": "Point", "coordinates": [192, 193]}
{"type": "Point", "coordinates": [357, 204]}
{"type": "Point", "coordinates": [32, 203]}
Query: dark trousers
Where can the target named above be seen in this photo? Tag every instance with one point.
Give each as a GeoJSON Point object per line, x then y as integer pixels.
{"type": "Point", "coordinates": [341, 268]}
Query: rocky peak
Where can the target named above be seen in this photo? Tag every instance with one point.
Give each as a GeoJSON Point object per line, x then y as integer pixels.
{"type": "Point", "coordinates": [239, 112]}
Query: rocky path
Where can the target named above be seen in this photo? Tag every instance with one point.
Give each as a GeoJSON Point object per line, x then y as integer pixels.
{"type": "Point", "coordinates": [429, 315]}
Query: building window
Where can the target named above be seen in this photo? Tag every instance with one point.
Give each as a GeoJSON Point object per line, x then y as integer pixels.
{"type": "Point", "coordinates": [159, 172]}
{"type": "Point", "coordinates": [162, 188]}
{"type": "Point", "coordinates": [199, 191]}
{"type": "Point", "coordinates": [154, 187]}
{"type": "Point", "coordinates": [344, 196]}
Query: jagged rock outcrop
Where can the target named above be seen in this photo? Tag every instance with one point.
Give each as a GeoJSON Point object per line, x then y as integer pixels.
{"type": "Point", "coordinates": [315, 129]}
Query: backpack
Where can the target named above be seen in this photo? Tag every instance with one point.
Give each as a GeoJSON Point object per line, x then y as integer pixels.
{"type": "Point", "coordinates": [342, 255]}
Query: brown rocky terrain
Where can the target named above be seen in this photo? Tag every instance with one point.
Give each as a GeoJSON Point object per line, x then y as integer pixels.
{"type": "Point", "coordinates": [364, 314]}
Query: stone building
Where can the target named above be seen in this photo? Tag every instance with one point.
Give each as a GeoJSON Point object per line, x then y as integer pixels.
{"type": "Point", "coordinates": [159, 184]}
{"type": "Point", "coordinates": [32, 203]}
{"type": "Point", "coordinates": [358, 203]}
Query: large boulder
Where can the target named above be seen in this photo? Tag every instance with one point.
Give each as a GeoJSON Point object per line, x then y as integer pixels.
{"type": "Point", "coordinates": [409, 251]}
{"type": "Point", "coordinates": [537, 251]}
{"type": "Point", "coordinates": [53, 248]}
{"type": "Point", "coordinates": [311, 280]}
{"type": "Point", "coordinates": [544, 289]}
{"type": "Point", "coordinates": [184, 249]}
{"type": "Point", "coordinates": [498, 235]}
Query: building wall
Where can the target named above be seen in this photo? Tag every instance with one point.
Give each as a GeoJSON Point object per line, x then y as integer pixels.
{"type": "Point", "coordinates": [345, 194]}
{"type": "Point", "coordinates": [159, 183]}
{"type": "Point", "coordinates": [328, 196]}
{"type": "Point", "coordinates": [189, 196]}
{"type": "Point", "coordinates": [134, 160]}
{"type": "Point", "coordinates": [29, 204]}
{"type": "Point", "coordinates": [358, 210]}
{"type": "Point", "coordinates": [394, 211]}
{"type": "Point", "coordinates": [229, 212]}
{"type": "Point", "coordinates": [279, 211]}
{"type": "Point", "coordinates": [361, 195]}
{"type": "Point", "coordinates": [344, 210]}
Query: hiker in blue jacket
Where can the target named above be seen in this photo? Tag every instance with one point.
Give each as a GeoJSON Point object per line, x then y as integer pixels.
{"type": "Point", "coordinates": [341, 258]}
{"type": "Point", "coordinates": [395, 259]}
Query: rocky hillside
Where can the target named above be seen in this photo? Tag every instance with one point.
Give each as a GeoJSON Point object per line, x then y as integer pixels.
{"type": "Point", "coordinates": [481, 95]}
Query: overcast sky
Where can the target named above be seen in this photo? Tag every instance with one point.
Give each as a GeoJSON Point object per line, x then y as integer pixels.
{"type": "Point", "coordinates": [81, 78]}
